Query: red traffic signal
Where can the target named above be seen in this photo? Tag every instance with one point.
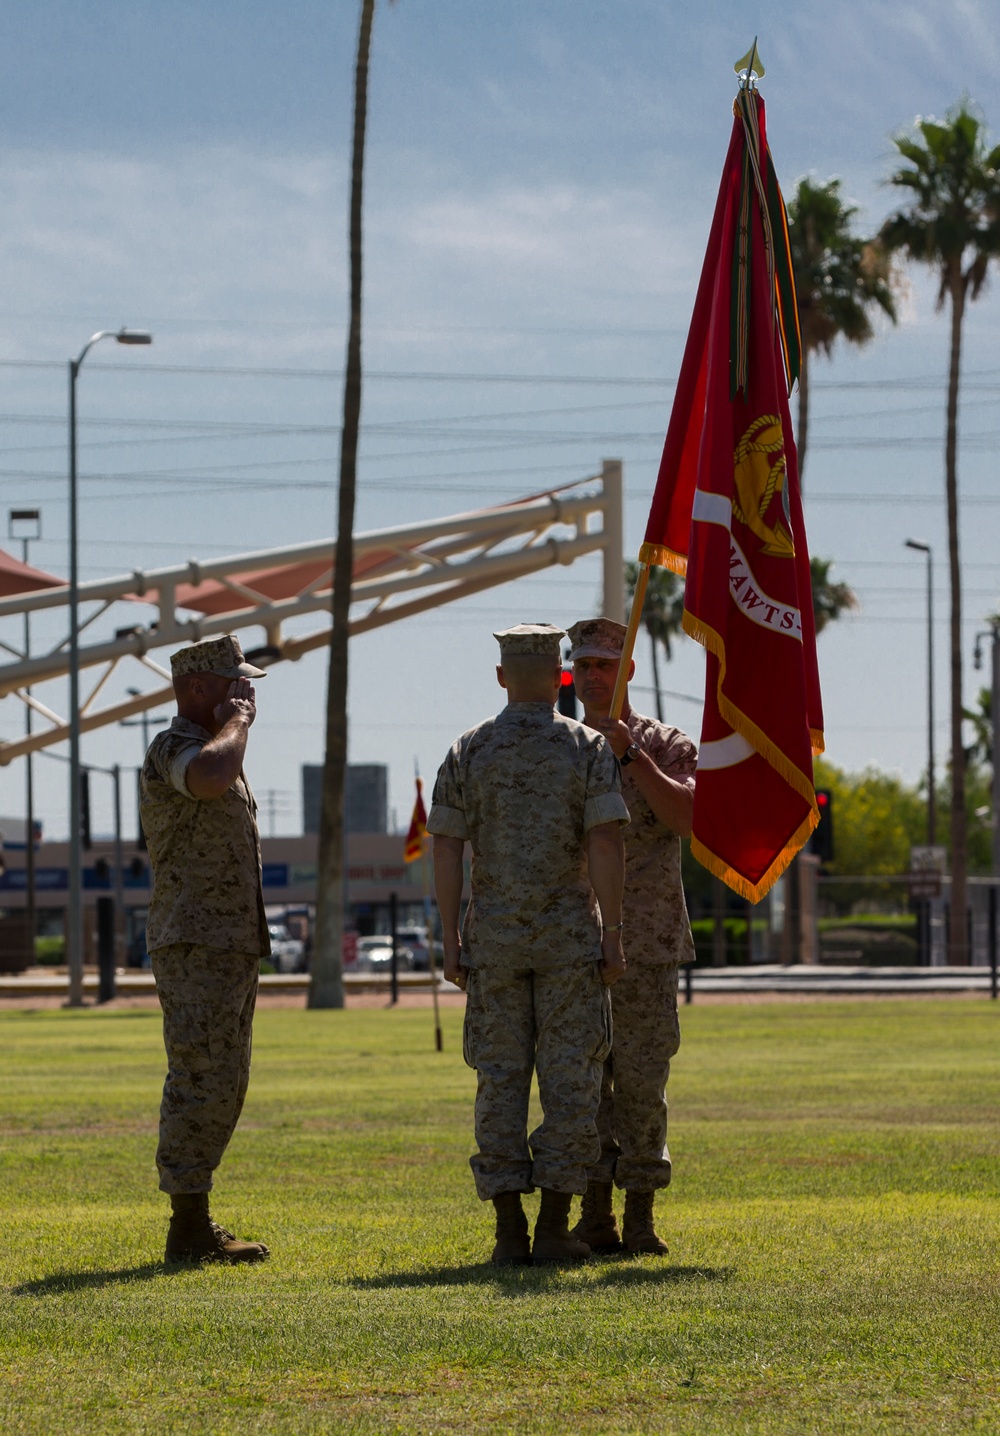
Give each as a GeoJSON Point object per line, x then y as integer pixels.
{"type": "Point", "coordinates": [566, 702]}
{"type": "Point", "coordinates": [821, 841]}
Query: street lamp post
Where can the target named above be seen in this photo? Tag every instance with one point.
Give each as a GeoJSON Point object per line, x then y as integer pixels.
{"type": "Point", "coordinates": [995, 719]}
{"type": "Point", "coordinates": [931, 817]}
{"type": "Point", "coordinates": [977, 659]}
{"type": "Point", "coordinates": [26, 525]}
{"type": "Point", "coordinates": [74, 918]}
{"type": "Point", "coordinates": [925, 904]}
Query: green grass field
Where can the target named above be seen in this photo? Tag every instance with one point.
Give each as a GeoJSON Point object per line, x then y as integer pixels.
{"type": "Point", "coordinates": [833, 1224]}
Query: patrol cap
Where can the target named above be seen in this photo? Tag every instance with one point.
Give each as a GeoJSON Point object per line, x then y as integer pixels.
{"type": "Point", "coordinates": [597, 638]}
{"type": "Point", "coordinates": [223, 656]}
{"type": "Point", "coordinates": [543, 638]}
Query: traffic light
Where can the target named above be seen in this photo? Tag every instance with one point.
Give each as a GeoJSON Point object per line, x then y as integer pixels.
{"type": "Point", "coordinates": [821, 842]}
{"type": "Point", "coordinates": [567, 694]}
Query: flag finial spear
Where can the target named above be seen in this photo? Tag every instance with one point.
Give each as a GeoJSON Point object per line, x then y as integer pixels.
{"type": "Point", "coordinates": [751, 68]}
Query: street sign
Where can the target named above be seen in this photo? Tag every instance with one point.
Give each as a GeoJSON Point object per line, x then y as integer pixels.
{"type": "Point", "coordinates": [924, 886]}
{"type": "Point", "coordinates": [927, 868]}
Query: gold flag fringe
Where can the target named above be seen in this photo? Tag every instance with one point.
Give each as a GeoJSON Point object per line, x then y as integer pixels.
{"type": "Point", "coordinates": [753, 892]}
{"type": "Point", "coordinates": [656, 554]}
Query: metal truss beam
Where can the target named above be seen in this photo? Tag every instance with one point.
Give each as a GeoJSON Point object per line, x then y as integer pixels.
{"type": "Point", "coordinates": [398, 572]}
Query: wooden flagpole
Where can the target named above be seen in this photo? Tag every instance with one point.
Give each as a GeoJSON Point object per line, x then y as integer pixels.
{"type": "Point", "coordinates": [634, 619]}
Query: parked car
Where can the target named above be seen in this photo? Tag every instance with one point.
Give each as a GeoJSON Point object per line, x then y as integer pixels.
{"type": "Point", "coordinates": [375, 955]}
{"type": "Point", "coordinates": [287, 952]}
{"type": "Point", "coordinates": [415, 939]}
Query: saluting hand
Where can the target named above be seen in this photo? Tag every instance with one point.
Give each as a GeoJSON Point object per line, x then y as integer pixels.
{"type": "Point", "coordinates": [240, 701]}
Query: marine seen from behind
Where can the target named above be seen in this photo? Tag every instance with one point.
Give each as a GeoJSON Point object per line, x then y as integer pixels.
{"type": "Point", "coordinates": [538, 799]}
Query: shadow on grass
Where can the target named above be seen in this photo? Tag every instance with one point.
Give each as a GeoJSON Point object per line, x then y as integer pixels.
{"type": "Point", "coordinates": [61, 1281]}
{"type": "Point", "coordinates": [529, 1280]}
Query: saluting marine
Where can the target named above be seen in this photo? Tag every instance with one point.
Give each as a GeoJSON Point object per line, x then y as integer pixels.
{"type": "Point", "coordinates": [206, 931]}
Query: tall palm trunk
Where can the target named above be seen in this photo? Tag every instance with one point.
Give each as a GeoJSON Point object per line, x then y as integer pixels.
{"type": "Point", "coordinates": [958, 940]}
{"type": "Point", "coordinates": [326, 988]}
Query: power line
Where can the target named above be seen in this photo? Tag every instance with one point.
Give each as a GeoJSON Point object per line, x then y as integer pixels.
{"type": "Point", "coordinates": [415, 376]}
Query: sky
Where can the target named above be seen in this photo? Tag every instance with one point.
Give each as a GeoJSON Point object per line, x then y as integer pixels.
{"type": "Point", "coordinates": [539, 184]}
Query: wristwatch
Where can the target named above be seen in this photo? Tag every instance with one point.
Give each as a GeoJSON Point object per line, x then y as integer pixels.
{"type": "Point", "coordinates": [630, 754]}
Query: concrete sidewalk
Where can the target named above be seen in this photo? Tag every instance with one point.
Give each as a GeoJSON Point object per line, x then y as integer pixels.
{"type": "Point", "coordinates": [840, 981]}
{"type": "Point", "coordinates": [770, 978]}
{"type": "Point", "coordinates": [133, 982]}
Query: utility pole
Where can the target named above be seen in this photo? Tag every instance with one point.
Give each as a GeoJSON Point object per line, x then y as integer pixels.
{"type": "Point", "coordinates": [145, 721]}
{"type": "Point", "coordinates": [274, 799]}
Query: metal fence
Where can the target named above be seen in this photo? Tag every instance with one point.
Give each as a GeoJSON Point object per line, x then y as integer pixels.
{"type": "Point", "coordinates": [852, 920]}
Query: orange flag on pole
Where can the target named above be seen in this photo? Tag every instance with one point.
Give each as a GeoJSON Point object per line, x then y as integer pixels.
{"type": "Point", "coordinates": [727, 512]}
{"type": "Point", "coordinates": [416, 837]}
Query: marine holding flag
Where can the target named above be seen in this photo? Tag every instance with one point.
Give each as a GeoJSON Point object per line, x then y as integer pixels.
{"type": "Point", "coordinates": [657, 765]}
{"type": "Point", "coordinates": [727, 510]}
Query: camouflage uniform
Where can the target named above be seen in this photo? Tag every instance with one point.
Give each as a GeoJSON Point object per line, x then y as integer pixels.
{"type": "Point", "coordinates": [206, 933]}
{"type": "Point", "coordinates": [207, 997]}
{"type": "Point", "coordinates": [523, 789]}
{"type": "Point", "coordinates": [632, 1120]}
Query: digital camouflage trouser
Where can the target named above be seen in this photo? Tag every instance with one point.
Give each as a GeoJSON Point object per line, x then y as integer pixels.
{"type": "Point", "coordinates": [207, 997]}
{"type": "Point", "coordinates": [558, 1023]}
{"type": "Point", "coordinates": [632, 1119]}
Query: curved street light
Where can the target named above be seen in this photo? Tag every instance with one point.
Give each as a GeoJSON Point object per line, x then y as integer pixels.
{"type": "Point", "coordinates": [74, 917]}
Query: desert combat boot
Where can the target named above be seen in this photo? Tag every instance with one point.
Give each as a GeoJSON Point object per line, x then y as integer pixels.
{"type": "Point", "coordinates": [553, 1241]}
{"type": "Point", "coordinates": [193, 1236]}
{"type": "Point", "coordinates": [597, 1226]}
{"type": "Point", "coordinates": [638, 1231]}
{"type": "Point", "coordinates": [513, 1247]}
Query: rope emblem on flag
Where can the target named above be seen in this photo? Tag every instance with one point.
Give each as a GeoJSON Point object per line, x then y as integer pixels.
{"type": "Point", "coordinates": [759, 470]}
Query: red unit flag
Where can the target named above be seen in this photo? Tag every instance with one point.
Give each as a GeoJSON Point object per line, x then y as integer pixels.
{"type": "Point", "coordinates": [727, 512]}
{"type": "Point", "coordinates": [416, 837]}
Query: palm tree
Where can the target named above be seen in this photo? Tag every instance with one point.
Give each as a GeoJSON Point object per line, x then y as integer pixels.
{"type": "Point", "coordinates": [326, 988]}
{"type": "Point", "coordinates": [662, 612]}
{"type": "Point", "coordinates": [952, 224]}
{"type": "Point", "coordinates": [838, 280]}
{"type": "Point", "coordinates": [830, 600]}
{"type": "Point", "coordinates": [981, 718]}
